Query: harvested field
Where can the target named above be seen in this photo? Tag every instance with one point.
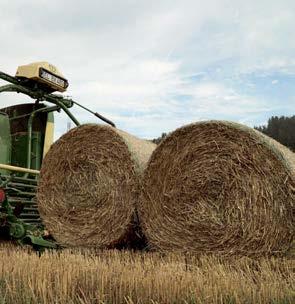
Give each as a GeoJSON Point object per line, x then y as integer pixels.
{"type": "Point", "coordinates": [89, 183]}
{"type": "Point", "coordinates": [219, 187]}
{"type": "Point", "coordinates": [73, 276]}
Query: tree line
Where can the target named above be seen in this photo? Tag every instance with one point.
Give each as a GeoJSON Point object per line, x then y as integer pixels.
{"type": "Point", "coordinates": [282, 129]}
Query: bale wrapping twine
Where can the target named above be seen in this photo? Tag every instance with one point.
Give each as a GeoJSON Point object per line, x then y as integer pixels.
{"type": "Point", "coordinates": [219, 187]}
{"type": "Point", "coordinates": [88, 185]}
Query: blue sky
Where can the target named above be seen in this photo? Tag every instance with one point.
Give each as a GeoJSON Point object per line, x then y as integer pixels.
{"type": "Point", "coordinates": [153, 66]}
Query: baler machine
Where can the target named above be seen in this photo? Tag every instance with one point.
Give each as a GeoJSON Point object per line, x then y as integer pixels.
{"type": "Point", "coordinates": [26, 134]}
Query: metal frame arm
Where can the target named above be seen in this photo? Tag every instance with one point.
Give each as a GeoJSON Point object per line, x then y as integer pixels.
{"type": "Point", "coordinates": [96, 114]}
{"type": "Point", "coordinates": [41, 95]}
{"type": "Point", "coordinates": [18, 169]}
{"type": "Point", "coordinates": [10, 88]}
{"type": "Point", "coordinates": [8, 78]}
{"type": "Point", "coordinates": [63, 103]}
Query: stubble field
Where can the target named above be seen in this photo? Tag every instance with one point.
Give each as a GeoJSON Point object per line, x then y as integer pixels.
{"type": "Point", "coordinates": [83, 276]}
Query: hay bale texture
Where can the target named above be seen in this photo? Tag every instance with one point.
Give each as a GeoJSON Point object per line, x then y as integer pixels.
{"type": "Point", "coordinates": [89, 183]}
{"type": "Point", "coordinates": [219, 187]}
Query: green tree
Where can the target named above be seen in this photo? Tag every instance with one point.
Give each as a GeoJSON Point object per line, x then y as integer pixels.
{"type": "Point", "coordinates": [159, 139]}
{"type": "Point", "coordinates": [282, 129]}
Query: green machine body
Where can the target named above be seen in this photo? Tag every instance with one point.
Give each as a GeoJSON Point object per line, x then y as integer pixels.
{"type": "Point", "coordinates": [5, 141]}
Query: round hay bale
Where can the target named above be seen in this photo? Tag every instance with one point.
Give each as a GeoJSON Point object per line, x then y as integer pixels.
{"type": "Point", "coordinates": [219, 187]}
{"type": "Point", "coordinates": [88, 185]}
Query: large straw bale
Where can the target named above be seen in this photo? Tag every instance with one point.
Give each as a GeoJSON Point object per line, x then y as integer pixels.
{"type": "Point", "coordinates": [219, 187]}
{"type": "Point", "coordinates": [89, 183]}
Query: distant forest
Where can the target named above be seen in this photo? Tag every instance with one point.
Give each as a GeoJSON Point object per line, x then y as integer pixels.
{"type": "Point", "coordinates": [282, 129]}
{"type": "Point", "coordinates": [159, 139]}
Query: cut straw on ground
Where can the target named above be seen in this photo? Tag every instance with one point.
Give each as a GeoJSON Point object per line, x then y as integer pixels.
{"type": "Point", "coordinates": [89, 277]}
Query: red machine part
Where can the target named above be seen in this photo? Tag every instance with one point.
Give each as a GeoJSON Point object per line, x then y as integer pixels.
{"type": "Point", "coordinates": [2, 195]}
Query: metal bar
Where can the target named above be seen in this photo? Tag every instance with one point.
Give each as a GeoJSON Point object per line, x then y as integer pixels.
{"type": "Point", "coordinates": [8, 88]}
{"type": "Point", "coordinates": [105, 119]}
{"type": "Point", "coordinates": [26, 201]}
{"type": "Point", "coordinates": [96, 114]}
{"type": "Point", "coordinates": [22, 179]}
{"type": "Point", "coordinates": [12, 184]}
{"type": "Point", "coordinates": [31, 221]}
{"type": "Point", "coordinates": [29, 215]}
{"type": "Point", "coordinates": [30, 130]}
{"type": "Point", "coordinates": [40, 95]}
{"type": "Point", "coordinates": [72, 117]}
{"type": "Point", "coordinates": [19, 169]}
{"type": "Point", "coordinates": [20, 116]}
{"type": "Point", "coordinates": [8, 78]}
{"type": "Point", "coordinates": [37, 94]}
{"type": "Point", "coordinates": [21, 89]}
{"type": "Point", "coordinates": [26, 206]}
{"type": "Point", "coordinates": [58, 99]}
{"type": "Point", "coordinates": [30, 209]}
{"type": "Point", "coordinates": [19, 192]}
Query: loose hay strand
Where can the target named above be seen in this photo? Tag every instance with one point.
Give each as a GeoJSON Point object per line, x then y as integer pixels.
{"type": "Point", "coordinates": [222, 187]}
{"type": "Point", "coordinates": [88, 185]}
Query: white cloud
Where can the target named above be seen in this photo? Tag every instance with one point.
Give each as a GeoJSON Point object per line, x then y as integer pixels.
{"type": "Point", "coordinates": [135, 61]}
{"type": "Point", "coordinates": [215, 99]}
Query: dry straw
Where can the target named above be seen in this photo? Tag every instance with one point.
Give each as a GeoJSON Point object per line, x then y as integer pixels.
{"type": "Point", "coordinates": [89, 185]}
{"type": "Point", "coordinates": [219, 187]}
{"type": "Point", "coordinates": [104, 277]}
